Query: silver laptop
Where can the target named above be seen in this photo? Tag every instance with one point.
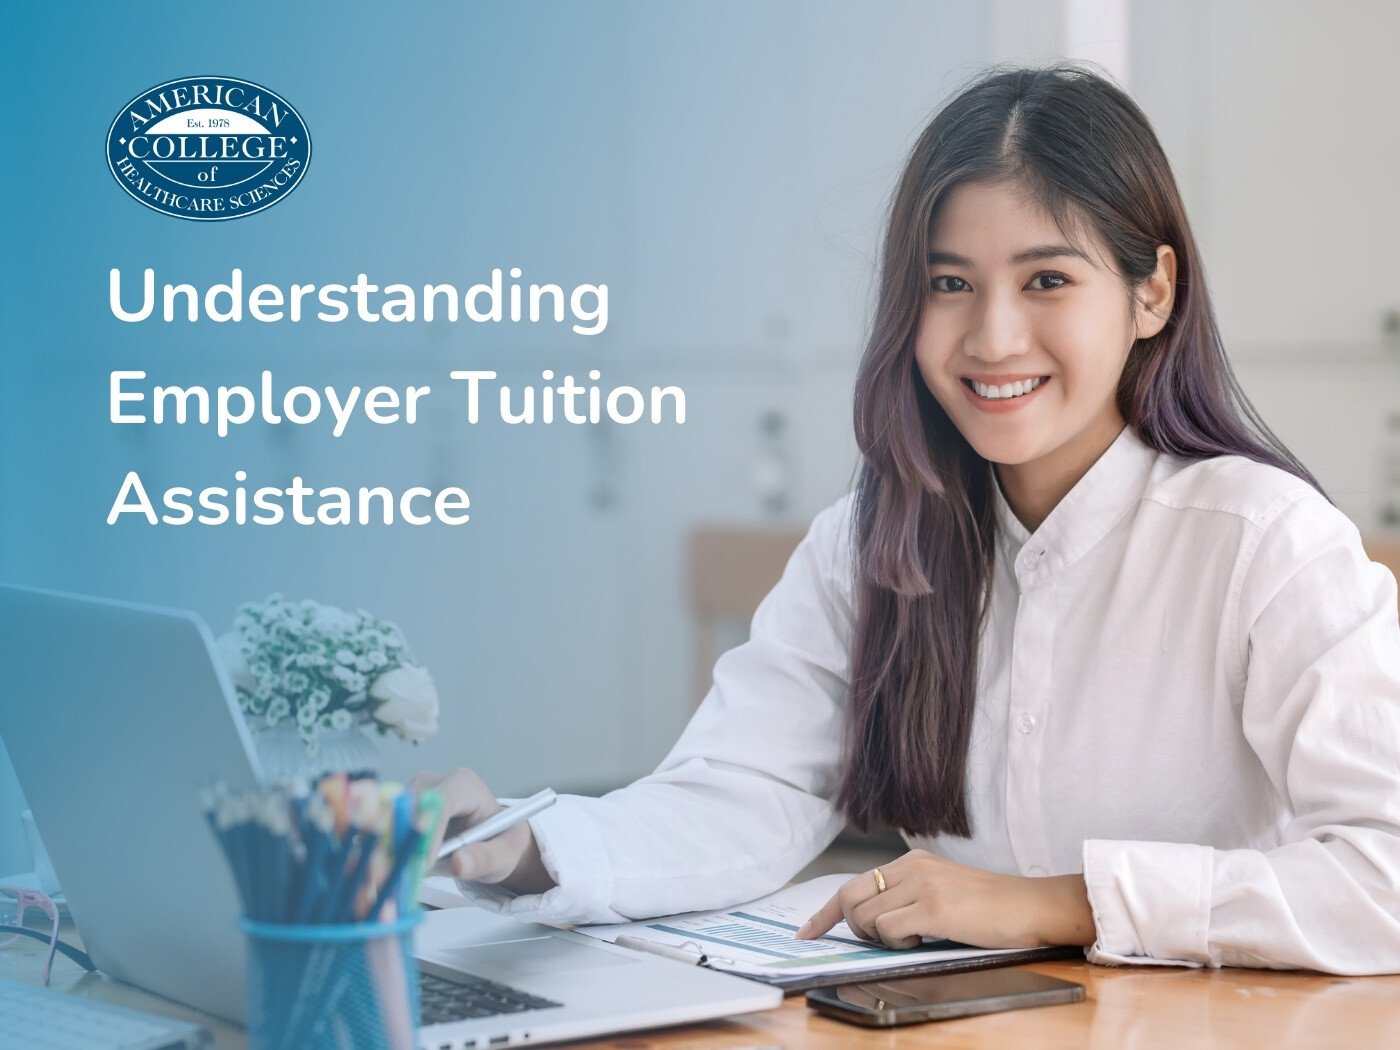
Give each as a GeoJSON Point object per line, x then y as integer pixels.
{"type": "Point", "coordinates": [115, 714]}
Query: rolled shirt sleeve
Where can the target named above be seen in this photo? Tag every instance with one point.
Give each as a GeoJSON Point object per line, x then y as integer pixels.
{"type": "Point", "coordinates": [1319, 641]}
{"type": "Point", "coordinates": [742, 802]}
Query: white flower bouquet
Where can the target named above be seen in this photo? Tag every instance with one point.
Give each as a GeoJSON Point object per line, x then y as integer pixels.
{"type": "Point", "coordinates": [322, 668]}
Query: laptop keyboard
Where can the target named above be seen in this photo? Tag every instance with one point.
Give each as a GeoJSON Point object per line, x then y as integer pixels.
{"type": "Point", "coordinates": [467, 996]}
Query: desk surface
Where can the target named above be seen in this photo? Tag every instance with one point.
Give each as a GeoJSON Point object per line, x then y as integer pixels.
{"type": "Point", "coordinates": [1128, 1007]}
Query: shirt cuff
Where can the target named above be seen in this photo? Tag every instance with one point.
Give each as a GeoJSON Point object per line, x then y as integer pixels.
{"type": "Point", "coordinates": [1151, 902]}
{"type": "Point", "coordinates": [573, 854]}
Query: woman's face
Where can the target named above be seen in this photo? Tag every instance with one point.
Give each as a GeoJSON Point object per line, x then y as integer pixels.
{"type": "Point", "coordinates": [1051, 320]}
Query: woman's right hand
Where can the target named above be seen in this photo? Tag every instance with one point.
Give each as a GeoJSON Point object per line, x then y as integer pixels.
{"type": "Point", "coordinates": [511, 859]}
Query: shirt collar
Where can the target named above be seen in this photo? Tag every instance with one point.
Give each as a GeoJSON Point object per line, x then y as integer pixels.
{"type": "Point", "coordinates": [1098, 501]}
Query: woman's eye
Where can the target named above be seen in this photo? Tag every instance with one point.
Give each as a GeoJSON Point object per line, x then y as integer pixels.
{"type": "Point", "coordinates": [961, 285]}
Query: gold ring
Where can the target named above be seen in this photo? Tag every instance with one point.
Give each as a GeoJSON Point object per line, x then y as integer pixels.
{"type": "Point", "coordinates": [879, 881]}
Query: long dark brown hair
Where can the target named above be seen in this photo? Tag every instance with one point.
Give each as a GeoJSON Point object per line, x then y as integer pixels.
{"type": "Point", "coordinates": [923, 512]}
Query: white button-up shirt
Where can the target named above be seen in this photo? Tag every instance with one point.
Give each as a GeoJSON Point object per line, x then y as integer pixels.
{"type": "Point", "coordinates": [1189, 690]}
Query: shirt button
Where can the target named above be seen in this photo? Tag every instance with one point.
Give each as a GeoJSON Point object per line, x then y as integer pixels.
{"type": "Point", "coordinates": [1036, 871]}
{"type": "Point", "coordinates": [1025, 723]}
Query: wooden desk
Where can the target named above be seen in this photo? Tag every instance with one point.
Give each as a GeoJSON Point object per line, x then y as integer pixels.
{"type": "Point", "coordinates": [1127, 1008]}
{"type": "Point", "coordinates": [1124, 1009]}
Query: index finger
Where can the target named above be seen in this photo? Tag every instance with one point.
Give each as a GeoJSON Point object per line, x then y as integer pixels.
{"type": "Point", "coordinates": [466, 800]}
{"type": "Point", "coordinates": [422, 780]}
{"type": "Point", "coordinates": [826, 917]}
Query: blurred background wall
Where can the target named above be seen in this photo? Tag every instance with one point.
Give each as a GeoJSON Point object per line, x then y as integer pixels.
{"type": "Point", "coordinates": [723, 167]}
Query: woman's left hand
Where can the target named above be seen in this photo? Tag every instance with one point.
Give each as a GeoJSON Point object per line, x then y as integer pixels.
{"type": "Point", "coordinates": [928, 896]}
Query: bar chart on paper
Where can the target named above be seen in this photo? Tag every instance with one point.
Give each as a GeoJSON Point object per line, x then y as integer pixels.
{"type": "Point", "coordinates": [759, 939]}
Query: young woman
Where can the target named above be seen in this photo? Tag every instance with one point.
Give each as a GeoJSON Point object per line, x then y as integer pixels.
{"type": "Point", "coordinates": [1084, 632]}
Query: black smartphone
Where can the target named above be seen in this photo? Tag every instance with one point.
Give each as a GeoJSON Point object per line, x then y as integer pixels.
{"type": "Point", "coordinates": [941, 996]}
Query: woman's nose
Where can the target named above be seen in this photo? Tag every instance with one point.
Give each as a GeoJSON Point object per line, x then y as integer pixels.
{"type": "Point", "coordinates": [999, 331]}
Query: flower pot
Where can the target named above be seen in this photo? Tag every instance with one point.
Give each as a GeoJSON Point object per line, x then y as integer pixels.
{"type": "Point", "coordinates": [283, 753]}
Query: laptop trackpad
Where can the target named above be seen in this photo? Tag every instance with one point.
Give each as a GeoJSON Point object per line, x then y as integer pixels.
{"type": "Point", "coordinates": [526, 958]}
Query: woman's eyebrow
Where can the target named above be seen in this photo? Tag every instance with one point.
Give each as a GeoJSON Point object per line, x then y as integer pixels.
{"type": "Point", "coordinates": [1035, 254]}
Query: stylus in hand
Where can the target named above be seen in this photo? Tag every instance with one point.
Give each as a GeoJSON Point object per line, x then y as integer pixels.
{"type": "Point", "coordinates": [494, 825]}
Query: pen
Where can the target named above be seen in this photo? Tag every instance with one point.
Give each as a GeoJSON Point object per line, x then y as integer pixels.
{"type": "Point", "coordinates": [670, 951]}
{"type": "Point", "coordinates": [506, 818]}
{"type": "Point", "coordinates": [402, 854]}
{"type": "Point", "coordinates": [428, 812]}
{"type": "Point", "coordinates": [335, 787]}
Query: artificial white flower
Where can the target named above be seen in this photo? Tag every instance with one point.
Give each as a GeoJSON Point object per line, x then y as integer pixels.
{"type": "Point", "coordinates": [311, 665]}
{"type": "Point", "coordinates": [407, 702]}
{"type": "Point", "coordinates": [353, 681]}
{"type": "Point", "coordinates": [331, 620]}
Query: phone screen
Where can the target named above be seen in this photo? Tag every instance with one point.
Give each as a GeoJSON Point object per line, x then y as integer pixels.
{"type": "Point", "coordinates": [940, 996]}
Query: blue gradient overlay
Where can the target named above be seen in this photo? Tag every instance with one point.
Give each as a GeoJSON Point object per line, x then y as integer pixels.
{"type": "Point", "coordinates": [720, 166]}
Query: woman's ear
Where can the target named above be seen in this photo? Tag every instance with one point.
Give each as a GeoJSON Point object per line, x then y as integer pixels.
{"type": "Point", "coordinates": [1158, 294]}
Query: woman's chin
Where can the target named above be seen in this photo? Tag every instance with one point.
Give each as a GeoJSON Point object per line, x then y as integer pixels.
{"type": "Point", "coordinates": [1006, 450]}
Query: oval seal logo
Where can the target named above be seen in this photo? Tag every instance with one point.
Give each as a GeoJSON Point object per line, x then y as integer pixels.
{"type": "Point", "coordinates": [208, 148]}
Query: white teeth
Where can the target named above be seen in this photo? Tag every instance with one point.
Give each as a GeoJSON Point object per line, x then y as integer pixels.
{"type": "Point", "coordinates": [993, 393]}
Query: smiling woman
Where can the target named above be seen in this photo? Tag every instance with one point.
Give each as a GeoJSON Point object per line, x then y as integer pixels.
{"type": "Point", "coordinates": [1086, 633]}
{"type": "Point", "coordinates": [1023, 347]}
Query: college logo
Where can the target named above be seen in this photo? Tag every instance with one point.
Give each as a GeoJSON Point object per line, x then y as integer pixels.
{"type": "Point", "coordinates": [208, 148]}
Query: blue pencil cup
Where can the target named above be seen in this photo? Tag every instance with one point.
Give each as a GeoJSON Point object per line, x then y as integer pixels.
{"type": "Point", "coordinates": [332, 987]}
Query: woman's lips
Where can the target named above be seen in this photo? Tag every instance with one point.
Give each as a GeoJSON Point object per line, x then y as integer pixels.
{"type": "Point", "coordinates": [1002, 405]}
